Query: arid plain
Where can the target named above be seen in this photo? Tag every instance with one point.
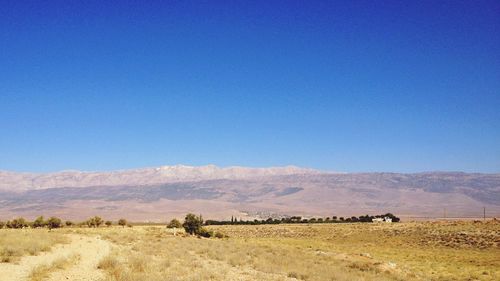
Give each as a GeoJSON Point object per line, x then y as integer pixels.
{"type": "Point", "coordinates": [441, 250]}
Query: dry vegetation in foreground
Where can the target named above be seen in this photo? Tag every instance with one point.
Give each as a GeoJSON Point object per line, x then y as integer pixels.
{"type": "Point", "coordinates": [43, 271]}
{"type": "Point", "coordinates": [425, 250]}
{"type": "Point", "coordinates": [404, 251]}
{"type": "Point", "coordinates": [152, 253]}
{"type": "Point", "coordinates": [15, 243]}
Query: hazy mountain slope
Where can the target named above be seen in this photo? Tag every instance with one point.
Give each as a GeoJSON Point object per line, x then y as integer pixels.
{"type": "Point", "coordinates": [159, 193]}
{"type": "Point", "coordinates": [12, 181]}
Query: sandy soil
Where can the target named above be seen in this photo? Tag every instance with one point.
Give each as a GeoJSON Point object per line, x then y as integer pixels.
{"type": "Point", "coordinates": [89, 250]}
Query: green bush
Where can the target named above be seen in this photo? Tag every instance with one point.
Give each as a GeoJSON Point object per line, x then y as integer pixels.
{"type": "Point", "coordinates": [192, 224]}
{"type": "Point", "coordinates": [219, 235]}
{"type": "Point", "coordinates": [205, 233]}
{"type": "Point", "coordinates": [17, 223]}
{"type": "Point", "coordinates": [54, 222]}
{"type": "Point", "coordinates": [94, 222]}
{"type": "Point", "coordinates": [108, 223]}
{"type": "Point", "coordinates": [174, 223]}
{"type": "Point", "coordinates": [122, 222]}
{"type": "Point", "coordinates": [39, 222]}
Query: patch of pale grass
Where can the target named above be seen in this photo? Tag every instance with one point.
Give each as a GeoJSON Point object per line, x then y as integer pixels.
{"type": "Point", "coordinates": [15, 243]}
{"type": "Point", "coordinates": [43, 271]}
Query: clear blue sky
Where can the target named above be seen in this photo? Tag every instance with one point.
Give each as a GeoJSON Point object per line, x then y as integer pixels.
{"type": "Point", "coordinates": [337, 85]}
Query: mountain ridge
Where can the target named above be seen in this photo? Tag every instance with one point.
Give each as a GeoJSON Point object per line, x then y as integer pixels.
{"type": "Point", "coordinates": [140, 176]}
{"type": "Point", "coordinates": [171, 191]}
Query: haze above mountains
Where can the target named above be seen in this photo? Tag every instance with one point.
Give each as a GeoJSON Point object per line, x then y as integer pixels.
{"type": "Point", "coordinates": [170, 191]}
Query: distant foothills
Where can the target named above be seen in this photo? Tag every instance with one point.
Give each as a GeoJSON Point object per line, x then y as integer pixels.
{"type": "Point", "coordinates": [250, 194]}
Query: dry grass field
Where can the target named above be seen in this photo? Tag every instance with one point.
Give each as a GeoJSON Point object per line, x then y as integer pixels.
{"type": "Point", "coordinates": [16, 243]}
{"type": "Point", "coordinates": [403, 251]}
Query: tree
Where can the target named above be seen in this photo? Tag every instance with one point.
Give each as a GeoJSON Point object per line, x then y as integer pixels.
{"type": "Point", "coordinates": [122, 222]}
{"type": "Point", "coordinates": [69, 223]}
{"type": "Point", "coordinates": [39, 222]}
{"type": "Point", "coordinates": [54, 222]}
{"type": "Point", "coordinates": [2, 224]}
{"type": "Point", "coordinates": [108, 223]}
{"type": "Point", "coordinates": [94, 222]}
{"type": "Point", "coordinates": [174, 223]}
{"type": "Point", "coordinates": [97, 221]}
{"type": "Point", "coordinates": [17, 223]}
{"type": "Point", "coordinates": [192, 224]}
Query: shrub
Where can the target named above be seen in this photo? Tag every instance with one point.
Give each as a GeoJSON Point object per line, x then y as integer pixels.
{"type": "Point", "coordinates": [54, 222]}
{"type": "Point", "coordinates": [2, 224]}
{"type": "Point", "coordinates": [108, 262]}
{"type": "Point", "coordinates": [122, 222]}
{"type": "Point", "coordinates": [39, 222]}
{"type": "Point", "coordinates": [219, 235]}
{"type": "Point", "coordinates": [174, 223]}
{"type": "Point", "coordinates": [94, 222]}
{"type": "Point", "coordinates": [192, 224]}
{"type": "Point", "coordinates": [205, 233]}
{"type": "Point", "coordinates": [17, 223]}
{"type": "Point", "coordinates": [108, 223]}
{"type": "Point", "coordinates": [69, 223]}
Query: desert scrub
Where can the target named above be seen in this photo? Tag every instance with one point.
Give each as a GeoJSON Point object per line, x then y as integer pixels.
{"type": "Point", "coordinates": [310, 252]}
{"type": "Point", "coordinates": [15, 243]}
{"type": "Point", "coordinates": [155, 254]}
{"type": "Point", "coordinates": [42, 272]}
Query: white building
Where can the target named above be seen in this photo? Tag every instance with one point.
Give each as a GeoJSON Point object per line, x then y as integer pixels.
{"type": "Point", "coordinates": [384, 219]}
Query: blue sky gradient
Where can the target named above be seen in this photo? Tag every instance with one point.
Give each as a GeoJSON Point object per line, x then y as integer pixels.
{"type": "Point", "coordinates": [401, 86]}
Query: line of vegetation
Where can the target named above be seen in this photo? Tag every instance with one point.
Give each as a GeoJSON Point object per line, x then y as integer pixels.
{"type": "Point", "coordinates": [192, 224]}
{"type": "Point", "coordinates": [298, 219]}
{"type": "Point", "coordinates": [54, 222]}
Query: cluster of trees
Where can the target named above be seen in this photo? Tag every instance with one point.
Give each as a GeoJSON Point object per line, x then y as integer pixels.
{"type": "Point", "coordinates": [54, 222]}
{"type": "Point", "coordinates": [193, 225]}
{"type": "Point", "coordinates": [297, 219]}
{"type": "Point", "coordinates": [50, 223]}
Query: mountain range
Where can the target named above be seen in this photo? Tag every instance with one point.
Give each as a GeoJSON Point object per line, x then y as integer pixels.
{"type": "Point", "coordinates": [161, 193]}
